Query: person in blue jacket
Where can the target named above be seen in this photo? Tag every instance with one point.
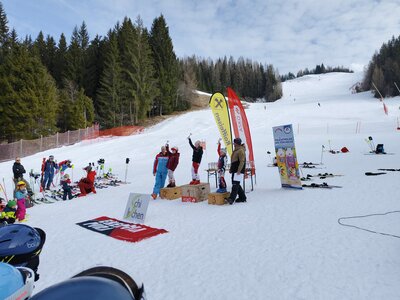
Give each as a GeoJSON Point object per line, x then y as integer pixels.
{"type": "Point", "coordinates": [160, 171]}
{"type": "Point", "coordinates": [49, 168]}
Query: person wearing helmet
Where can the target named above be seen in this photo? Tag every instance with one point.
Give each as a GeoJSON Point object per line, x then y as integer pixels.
{"type": "Point", "coordinates": [65, 164]}
{"type": "Point", "coordinates": [86, 184]}
{"type": "Point", "coordinates": [98, 283]}
{"type": "Point", "coordinates": [48, 168]}
{"type": "Point", "coordinates": [196, 160]}
{"type": "Point", "coordinates": [21, 245]}
{"type": "Point", "coordinates": [221, 165]}
{"type": "Point", "coordinates": [173, 162]}
{"type": "Point", "coordinates": [7, 216]}
{"type": "Point", "coordinates": [160, 171]}
{"type": "Point", "coordinates": [22, 196]}
{"type": "Point", "coordinates": [15, 283]}
{"type": "Point", "coordinates": [19, 171]}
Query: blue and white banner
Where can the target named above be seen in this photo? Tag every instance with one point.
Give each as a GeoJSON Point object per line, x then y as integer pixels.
{"type": "Point", "coordinates": [286, 157]}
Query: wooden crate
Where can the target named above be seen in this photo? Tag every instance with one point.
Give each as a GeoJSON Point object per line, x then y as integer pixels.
{"type": "Point", "coordinates": [195, 193]}
{"type": "Point", "coordinates": [171, 193]}
{"type": "Point", "coordinates": [217, 198]}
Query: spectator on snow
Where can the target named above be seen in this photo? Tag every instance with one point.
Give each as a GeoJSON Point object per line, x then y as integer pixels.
{"type": "Point", "coordinates": [238, 168]}
{"type": "Point", "coordinates": [173, 162]}
{"type": "Point", "coordinates": [22, 195]}
{"type": "Point", "coordinates": [48, 169]}
{"type": "Point", "coordinates": [65, 164]}
{"type": "Point", "coordinates": [196, 160]}
{"type": "Point", "coordinates": [7, 216]}
{"type": "Point", "coordinates": [65, 183]}
{"type": "Point", "coordinates": [19, 171]}
{"type": "Point", "coordinates": [222, 160]}
{"type": "Point", "coordinates": [160, 171]}
{"type": "Point", "coordinates": [86, 184]}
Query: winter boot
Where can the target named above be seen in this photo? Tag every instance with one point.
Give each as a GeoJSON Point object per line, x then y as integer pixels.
{"type": "Point", "coordinates": [172, 184]}
{"type": "Point", "coordinates": [196, 182]}
{"type": "Point", "coordinates": [193, 182]}
{"type": "Point", "coordinates": [221, 190]}
{"type": "Point", "coordinates": [154, 196]}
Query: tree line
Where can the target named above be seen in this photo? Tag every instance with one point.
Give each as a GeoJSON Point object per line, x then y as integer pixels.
{"type": "Point", "coordinates": [384, 70]}
{"type": "Point", "coordinates": [319, 69]}
{"type": "Point", "coordinates": [132, 73]}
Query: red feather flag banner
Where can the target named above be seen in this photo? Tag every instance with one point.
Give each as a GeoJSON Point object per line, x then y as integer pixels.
{"type": "Point", "coordinates": [241, 126]}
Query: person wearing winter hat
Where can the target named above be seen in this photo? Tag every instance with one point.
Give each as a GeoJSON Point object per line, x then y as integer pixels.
{"type": "Point", "coordinates": [173, 162]}
{"type": "Point", "coordinates": [65, 182]}
{"type": "Point", "coordinates": [7, 216]}
{"type": "Point", "coordinates": [222, 161]}
{"type": "Point", "coordinates": [237, 169]}
{"type": "Point", "coordinates": [196, 160]}
{"type": "Point", "coordinates": [160, 171]}
{"type": "Point", "coordinates": [19, 171]}
{"type": "Point", "coordinates": [86, 184]}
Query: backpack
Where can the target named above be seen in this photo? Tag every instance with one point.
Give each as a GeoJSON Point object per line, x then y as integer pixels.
{"type": "Point", "coordinates": [379, 149]}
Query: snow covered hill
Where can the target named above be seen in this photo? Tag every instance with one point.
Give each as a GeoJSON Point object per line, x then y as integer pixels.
{"type": "Point", "coordinates": [281, 244]}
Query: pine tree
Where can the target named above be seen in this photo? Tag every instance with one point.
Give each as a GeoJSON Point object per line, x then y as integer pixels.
{"type": "Point", "coordinates": [60, 61]}
{"type": "Point", "coordinates": [77, 110]}
{"type": "Point", "coordinates": [28, 97]}
{"type": "Point", "coordinates": [166, 65]}
{"type": "Point", "coordinates": [144, 91]}
{"type": "Point", "coordinates": [4, 33]}
{"type": "Point", "coordinates": [108, 95]}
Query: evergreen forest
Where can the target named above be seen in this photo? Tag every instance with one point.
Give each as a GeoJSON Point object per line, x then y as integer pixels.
{"type": "Point", "coordinates": [383, 71]}
{"type": "Point", "coordinates": [50, 85]}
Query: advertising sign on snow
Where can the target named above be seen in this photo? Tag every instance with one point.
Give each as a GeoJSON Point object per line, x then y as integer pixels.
{"type": "Point", "coordinates": [286, 157]}
{"type": "Point", "coordinates": [136, 208]}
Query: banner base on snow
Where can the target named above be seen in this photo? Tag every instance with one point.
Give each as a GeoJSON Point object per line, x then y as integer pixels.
{"type": "Point", "coordinates": [121, 230]}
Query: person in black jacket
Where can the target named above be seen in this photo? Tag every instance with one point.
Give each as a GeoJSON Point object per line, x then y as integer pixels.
{"type": "Point", "coordinates": [237, 169]}
{"type": "Point", "coordinates": [196, 160]}
{"type": "Point", "coordinates": [19, 171]}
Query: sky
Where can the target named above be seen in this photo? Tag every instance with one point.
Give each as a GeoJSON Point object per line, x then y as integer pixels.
{"type": "Point", "coordinates": [291, 35]}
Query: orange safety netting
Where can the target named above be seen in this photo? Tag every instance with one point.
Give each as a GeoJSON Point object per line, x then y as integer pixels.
{"type": "Point", "coordinates": [121, 131]}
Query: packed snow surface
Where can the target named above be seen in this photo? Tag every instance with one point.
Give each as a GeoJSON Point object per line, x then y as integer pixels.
{"type": "Point", "coordinates": [282, 243]}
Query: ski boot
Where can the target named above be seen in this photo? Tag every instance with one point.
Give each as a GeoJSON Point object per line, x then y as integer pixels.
{"type": "Point", "coordinates": [221, 190]}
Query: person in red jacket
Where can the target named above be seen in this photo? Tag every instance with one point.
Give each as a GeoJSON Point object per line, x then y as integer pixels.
{"type": "Point", "coordinates": [173, 162]}
{"type": "Point", "coordinates": [86, 184]}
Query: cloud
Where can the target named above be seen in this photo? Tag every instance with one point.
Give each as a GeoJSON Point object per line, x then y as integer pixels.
{"type": "Point", "coordinates": [291, 35]}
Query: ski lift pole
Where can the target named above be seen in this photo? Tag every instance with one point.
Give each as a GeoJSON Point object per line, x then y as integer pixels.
{"type": "Point", "coordinates": [126, 168]}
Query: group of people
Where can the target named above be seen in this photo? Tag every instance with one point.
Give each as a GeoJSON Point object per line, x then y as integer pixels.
{"type": "Point", "coordinates": [15, 209]}
{"type": "Point", "coordinates": [167, 161]}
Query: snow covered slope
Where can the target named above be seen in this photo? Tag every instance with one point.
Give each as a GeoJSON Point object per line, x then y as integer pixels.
{"type": "Point", "coordinates": [281, 244]}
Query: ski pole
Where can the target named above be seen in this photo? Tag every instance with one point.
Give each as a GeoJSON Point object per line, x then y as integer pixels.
{"type": "Point", "coordinates": [4, 189]}
{"type": "Point", "coordinates": [270, 158]}
{"type": "Point", "coordinates": [126, 169]}
{"type": "Point", "coordinates": [72, 173]}
{"type": "Point", "coordinates": [322, 153]}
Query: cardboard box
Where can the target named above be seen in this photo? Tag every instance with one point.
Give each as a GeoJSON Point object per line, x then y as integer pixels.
{"type": "Point", "coordinates": [217, 198]}
{"type": "Point", "coordinates": [171, 193]}
{"type": "Point", "coordinates": [195, 193]}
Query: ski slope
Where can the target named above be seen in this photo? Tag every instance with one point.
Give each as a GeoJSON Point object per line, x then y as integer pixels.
{"type": "Point", "coordinates": [282, 243]}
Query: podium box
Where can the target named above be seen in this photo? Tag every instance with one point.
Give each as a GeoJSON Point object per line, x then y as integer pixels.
{"type": "Point", "coordinates": [195, 193]}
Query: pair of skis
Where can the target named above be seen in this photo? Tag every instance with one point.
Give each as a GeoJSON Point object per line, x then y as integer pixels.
{"type": "Point", "coordinates": [323, 185]}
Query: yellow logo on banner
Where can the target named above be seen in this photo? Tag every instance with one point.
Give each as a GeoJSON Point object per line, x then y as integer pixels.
{"type": "Point", "coordinates": [219, 107]}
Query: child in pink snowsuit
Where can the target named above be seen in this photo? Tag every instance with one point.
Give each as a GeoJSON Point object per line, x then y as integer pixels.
{"type": "Point", "coordinates": [21, 194]}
